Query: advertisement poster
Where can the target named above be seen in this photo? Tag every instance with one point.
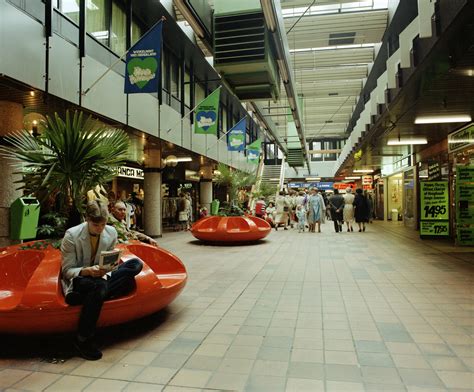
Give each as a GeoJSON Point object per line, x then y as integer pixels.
{"type": "Point", "coordinates": [465, 205]}
{"type": "Point", "coordinates": [434, 212]}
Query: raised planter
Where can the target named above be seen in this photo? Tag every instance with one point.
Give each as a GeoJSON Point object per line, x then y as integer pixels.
{"type": "Point", "coordinates": [230, 229]}
{"type": "Point", "coordinates": [32, 301]}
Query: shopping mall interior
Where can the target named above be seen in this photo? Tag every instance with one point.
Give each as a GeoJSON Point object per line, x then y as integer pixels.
{"type": "Point", "coordinates": [253, 195]}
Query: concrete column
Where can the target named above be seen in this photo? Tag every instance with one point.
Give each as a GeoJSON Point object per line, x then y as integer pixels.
{"type": "Point", "coordinates": [205, 193]}
{"type": "Point", "coordinates": [152, 188]}
{"type": "Point", "coordinates": [205, 186]}
{"type": "Point", "coordinates": [11, 119]}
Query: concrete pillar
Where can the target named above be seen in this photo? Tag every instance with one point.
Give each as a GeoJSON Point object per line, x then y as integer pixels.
{"type": "Point", "coordinates": [205, 187]}
{"type": "Point", "coordinates": [205, 193]}
{"type": "Point", "coordinates": [11, 119]}
{"type": "Point", "coordinates": [152, 189]}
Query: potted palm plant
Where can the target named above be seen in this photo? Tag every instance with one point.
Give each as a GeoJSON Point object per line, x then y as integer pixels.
{"type": "Point", "coordinates": [69, 158]}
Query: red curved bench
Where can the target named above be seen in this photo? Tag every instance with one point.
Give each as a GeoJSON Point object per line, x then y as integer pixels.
{"type": "Point", "coordinates": [32, 301]}
{"type": "Point", "coordinates": [230, 229]}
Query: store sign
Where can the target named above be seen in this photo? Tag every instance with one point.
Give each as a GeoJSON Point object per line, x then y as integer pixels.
{"type": "Point", "coordinates": [434, 208]}
{"type": "Point", "coordinates": [434, 171]}
{"type": "Point", "coordinates": [434, 228]}
{"type": "Point", "coordinates": [342, 186]}
{"type": "Point", "coordinates": [318, 185]}
{"type": "Point", "coordinates": [367, 183]}
{"type": "Point", "coordinates": [130, 172]}
{"type": "Point", "coordinates": [465, 205]}
{"type": "Point", "coordinates": [461, 139]}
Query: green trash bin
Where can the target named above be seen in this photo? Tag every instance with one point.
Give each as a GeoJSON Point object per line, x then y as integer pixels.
{"type": "Point", "coordinates": [215, 207]}
{"type": "Point", "coordinates": [24, 217]}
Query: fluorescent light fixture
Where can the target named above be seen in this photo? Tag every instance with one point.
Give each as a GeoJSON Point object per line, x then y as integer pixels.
{"type": "Point", "coordinates": [184, 159]}
{"type": "Point", "coordinates": [274, 179]}
{"type": "Point", "coordinates": [352, 178]}
{"type": "Point", "coordinates": [453, 141]}
{"type": "Point", "coordinates": [292, 103]}
{"type": "Point", "coordinates": [283, 72]}
{"type": "Point", "coordinates": [183, 8]}
{"type": "Point", "coordinates": [407, 142]}
{"type": "Point", "coordinates": [363, 171]}
{"type": "Point", "coordinates": [313, 178]}
{"type": "Point", "coordinates": [268, 14]}
{"type": "Point", "coordinates": [443, 119]}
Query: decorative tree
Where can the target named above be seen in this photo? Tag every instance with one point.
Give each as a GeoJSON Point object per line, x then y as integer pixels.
{"type": "Point", "coordinates": [69, 158]}
{"type": "Point", "coordinates": [234, 180]}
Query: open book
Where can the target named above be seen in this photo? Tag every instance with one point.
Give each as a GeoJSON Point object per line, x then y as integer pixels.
{"type": "Point", "coordinates": [109, 259]}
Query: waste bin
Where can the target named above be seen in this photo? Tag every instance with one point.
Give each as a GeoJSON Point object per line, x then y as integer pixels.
{"type": "Point", "coordinates": [24, 217]}
{"type": "Point", "coordinates": [394, 215]}
{"type": "Point", "coordinates": [215, 207]}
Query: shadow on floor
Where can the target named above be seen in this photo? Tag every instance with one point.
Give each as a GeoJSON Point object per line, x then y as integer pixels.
{"type": "Point", "coordinates": [227, 244]}
{"type": "Point", "coordinates": [58, 348]}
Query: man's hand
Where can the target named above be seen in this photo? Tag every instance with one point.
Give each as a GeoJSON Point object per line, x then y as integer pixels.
{"type": "Point", "coordinates": [95, 271]}
{"type": "Point", "coordinates": [151, 241]}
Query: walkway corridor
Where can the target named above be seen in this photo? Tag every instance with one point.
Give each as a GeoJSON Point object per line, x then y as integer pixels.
{"type": "Point", "coordinates": [373, 311]}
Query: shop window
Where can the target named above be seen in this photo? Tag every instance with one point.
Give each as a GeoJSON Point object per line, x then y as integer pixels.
{"type": "Point", "coordinates": [187, 89]}
{"type": "Point", "coordinates": [69, 8]}
{"type": "Point", "coordinates": [96, 20]}
{"type": "Point", "coordinates": [118, 38]}
{"type": "Point", "coordinates": [314, 145]}
{"type": "Point", "coordinates": [137, 31]}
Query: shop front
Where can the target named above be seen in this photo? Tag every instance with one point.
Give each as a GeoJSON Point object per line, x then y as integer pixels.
{"type": "Point", "coordinates": [128, 187]}
{"type": "Point", "coordinates": [461, 155]}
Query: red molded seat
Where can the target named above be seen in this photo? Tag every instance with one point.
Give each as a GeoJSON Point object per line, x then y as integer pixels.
{"type": "Point", "coordinates": [32, 301]}
{"type": "Point", "coordinates": [229, 229]}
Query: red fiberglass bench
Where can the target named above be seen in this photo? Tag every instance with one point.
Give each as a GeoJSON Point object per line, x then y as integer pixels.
{"type": "Point", "coordinates": [32, 301]}
{"type": "Point", "coordinates": [230, 229]}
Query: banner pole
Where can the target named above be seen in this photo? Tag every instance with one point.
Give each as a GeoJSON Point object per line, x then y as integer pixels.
{"type": "Point", "coordinates": [120, 58]}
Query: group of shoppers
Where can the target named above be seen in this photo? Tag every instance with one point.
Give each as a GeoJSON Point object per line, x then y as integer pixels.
{"type": "Point", "coordinates": [310, 208]}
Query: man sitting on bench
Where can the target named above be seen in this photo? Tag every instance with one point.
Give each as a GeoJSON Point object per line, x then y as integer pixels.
{"type": "Point", "coordinates": [83, 280]}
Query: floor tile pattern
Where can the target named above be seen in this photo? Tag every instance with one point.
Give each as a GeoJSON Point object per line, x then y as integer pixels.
{"type": "Point", "coordinates": [373, 311]}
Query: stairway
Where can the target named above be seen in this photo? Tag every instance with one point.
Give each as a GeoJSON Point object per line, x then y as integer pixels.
{"type": "Point", "coordinates": [271, 175]}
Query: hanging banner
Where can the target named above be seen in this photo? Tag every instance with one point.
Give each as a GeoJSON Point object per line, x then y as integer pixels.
{"type": "Point", "coordinates": [236, 136]}
{"type": "Point", "coordinates": [434, 196]}
{"type": "Point", "coordinates": [206, 113]}
{"type": "Point", "coordinates": [253, 151]}
{"type": "Point", "coordinates": [465, 205]}
{"type": "Point", "coordinates": [142, 68]}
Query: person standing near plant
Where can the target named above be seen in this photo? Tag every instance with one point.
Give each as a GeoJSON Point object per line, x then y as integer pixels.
{"type": "Point", "coordinates": [117, 220]}
{"type": "Point", "coordinates": [184, 207]}
{"type": "Point", "coordinates": [83, 280]}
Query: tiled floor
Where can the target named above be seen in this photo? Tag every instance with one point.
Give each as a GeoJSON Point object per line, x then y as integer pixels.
{"type": "Point", "coordinates": [374, 311]}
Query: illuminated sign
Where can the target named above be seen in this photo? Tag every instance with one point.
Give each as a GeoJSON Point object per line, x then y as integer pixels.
{"type": "Point", "coordinates": [130, 172]}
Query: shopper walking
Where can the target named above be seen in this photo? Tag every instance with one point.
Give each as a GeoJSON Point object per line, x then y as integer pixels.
{"type": "Point", "coordinates": [270, 213]}
{"type": "Point", "coordinates": [301, 215]}
{"type": "Point", "coordinates": [336, 206]}
{"type": "Point", "coordinates": [370, 203]}
{"type": "Point", "coordinates": [184, 205]}
{"type": "Point", "coordinates": [282, 211]}
{"type": "Point", "coordinates": [316, 210]}
{"type": "Point", "coordinates": [361, 209]}
{"type": "Point", "coordinates": [348, 212]}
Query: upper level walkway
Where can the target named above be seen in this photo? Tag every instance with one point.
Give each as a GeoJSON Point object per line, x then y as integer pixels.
{"type": "Point", "coordinates": [374, 311]}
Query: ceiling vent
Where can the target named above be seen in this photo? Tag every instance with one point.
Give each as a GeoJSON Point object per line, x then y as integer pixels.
{"type": "Point", "coordinates": [341, 38]}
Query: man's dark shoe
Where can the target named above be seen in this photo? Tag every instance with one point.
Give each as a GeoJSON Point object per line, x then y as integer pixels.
{"type": "Point", "coordinates": [87, 350]}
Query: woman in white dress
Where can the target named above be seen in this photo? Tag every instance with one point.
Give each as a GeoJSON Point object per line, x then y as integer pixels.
{"type": "Point", "coordinates": [348, 212]}
{"type": "Point", "coordinates": [282, 210]}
